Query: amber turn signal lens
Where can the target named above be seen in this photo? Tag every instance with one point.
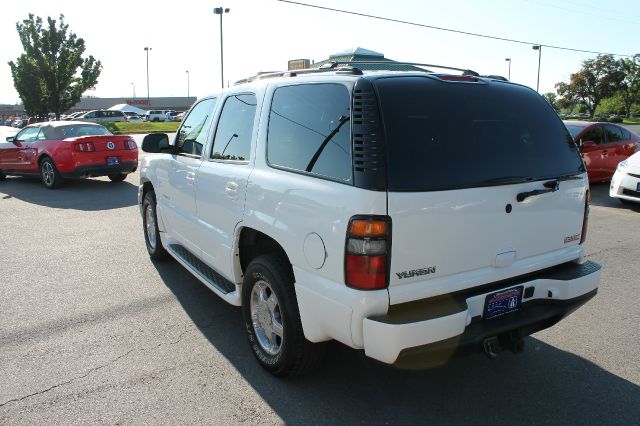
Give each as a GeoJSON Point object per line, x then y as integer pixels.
{"type": "Point", "coordinates": [369, 228]}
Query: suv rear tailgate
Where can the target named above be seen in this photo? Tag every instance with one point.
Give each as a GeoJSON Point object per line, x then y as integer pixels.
{"type": "Point", "coordinates": [446, 241]}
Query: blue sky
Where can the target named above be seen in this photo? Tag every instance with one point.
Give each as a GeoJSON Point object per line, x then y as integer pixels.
{"type": "Point", "coordinates": [261, 35]}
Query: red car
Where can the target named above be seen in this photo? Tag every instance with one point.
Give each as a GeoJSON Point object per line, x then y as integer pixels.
{"type": "Point", "coordinates": [67, 149]}
{"type": "Point", "coordinates": [602, 146]}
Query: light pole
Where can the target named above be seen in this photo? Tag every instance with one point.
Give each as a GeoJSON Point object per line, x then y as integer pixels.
{"type": "Point", "coordinates": [509, 60]}
{"type": "Point", "coordinates": [187, 84]}
{"type": "Point", "coordinates": [220, 11]}
{"type": "Point", "coordinates": [133, 86]}
{"type": "Point", "coordinates": [147, 49]}
{"type": "Point", "coordinates": [538, 47]}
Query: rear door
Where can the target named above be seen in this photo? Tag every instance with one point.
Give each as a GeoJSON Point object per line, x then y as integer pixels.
{"type": "Point", "coordinates": [222, 180]}
{"type": "Point", "coordinates": [460, 156]}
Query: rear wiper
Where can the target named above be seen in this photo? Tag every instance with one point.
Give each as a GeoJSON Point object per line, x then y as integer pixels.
{"type": "Point", "coordinates": [505, 180]}
{"type": "Point", "coordinates": [563, 178]}
{"type": "Point", "coordinates": [551, 186]}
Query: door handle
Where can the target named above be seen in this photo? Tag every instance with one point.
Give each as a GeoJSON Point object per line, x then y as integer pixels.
{"type": "Point", "coordinates": [231, 188]}
{"type": "Point", "coordinates": [191, 178]}
{"type": "Point", "coordinates": [605, 153]}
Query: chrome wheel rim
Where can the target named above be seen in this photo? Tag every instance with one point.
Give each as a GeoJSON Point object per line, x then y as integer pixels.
{"type": "Point", "coordinates": [47, 173]}
{"type": "Point", "coordinates": [266, 318]}
{"type": "Point", "coordinates": [150, 227]}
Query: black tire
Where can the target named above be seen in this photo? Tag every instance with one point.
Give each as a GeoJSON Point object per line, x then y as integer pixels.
{"type": "Point", "coordinates": [295, 355]}
{"type": "Point", "coordinates": [118, 177]}
{"type": "Point", "coordinates": [153, 242]}
{"type": "Point", "coordinates": [2, 176]}
{"type": "Point", "coordinates": [49, 174]}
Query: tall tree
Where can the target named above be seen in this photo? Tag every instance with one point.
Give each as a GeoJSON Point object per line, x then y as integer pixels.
{"type": "Point", "coordinates": [51, 75]}
{"type": "Point", "coordinates": [599, 78]}
{"type": "Point", "coordinates": [552, 98]}
{"type": "Point", "coordinates": [630, 86]}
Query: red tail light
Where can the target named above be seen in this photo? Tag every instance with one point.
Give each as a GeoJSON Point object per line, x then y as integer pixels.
{"type": "Point", "coordinates": [585, 221]}
{"type": "Point", "coordinates": [367, 252]}
{"type": "Point", "coordinates": [130, 144]}
{"type": "Point", "coordinates": [85, 147]}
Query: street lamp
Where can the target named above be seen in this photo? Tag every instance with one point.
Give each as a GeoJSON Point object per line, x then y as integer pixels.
{"type": "Point", "coordinates": [538, 47]}
{"type": "Point", "coordinates": [187, 71]}
{"type": "Point", "coordinates": [133, 86]}
{"type": "Point", "coordinates": [220, 11]}
{"type": "Point", "coordinates": [509, 60]}
{"type": "Point", "coordinates": [147, 49]}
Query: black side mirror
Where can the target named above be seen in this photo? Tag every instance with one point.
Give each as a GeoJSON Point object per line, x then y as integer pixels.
{"type": "Point", "coordinates": [156, 142]}
{"type": "Point", "coordinates": [11, 139]}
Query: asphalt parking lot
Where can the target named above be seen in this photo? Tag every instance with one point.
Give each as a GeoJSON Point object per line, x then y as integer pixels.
{"type": "Point", "coordinates": [92, 331]}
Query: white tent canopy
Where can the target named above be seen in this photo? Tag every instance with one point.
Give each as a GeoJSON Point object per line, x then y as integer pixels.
{"type": "Point", "coordinates": [127, 107]}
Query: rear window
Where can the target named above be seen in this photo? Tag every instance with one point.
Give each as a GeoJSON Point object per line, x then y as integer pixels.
{"type": "Point", "coordinates": [63, 132]}
{"type": "Point", "coordinates": [574, 130]}
{"type": "Point", "coordinates": [443, 135]}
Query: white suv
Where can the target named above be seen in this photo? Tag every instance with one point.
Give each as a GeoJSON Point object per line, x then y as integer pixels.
{"type": "Point", "coordinates": [415, 216]}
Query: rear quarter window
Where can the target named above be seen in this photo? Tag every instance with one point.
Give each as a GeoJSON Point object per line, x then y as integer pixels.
{"type": "Point", "coordinates": [309, 130]}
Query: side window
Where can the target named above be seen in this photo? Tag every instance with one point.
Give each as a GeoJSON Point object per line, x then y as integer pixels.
{"type": "Point", "coordinates": [29, 134]}
{"type": "Point", "coordinates": [235, 128]}
{"type": "Point", "coordinates": [193, 131]}
{"type": "Point", "coordinates": [308, 130]}
{"type": "Point", "coordinates": [90, 115]}
{"type": "Point", "coordinates": [614, 133]}
{"type": "Point", "coordinates": [594, 134]}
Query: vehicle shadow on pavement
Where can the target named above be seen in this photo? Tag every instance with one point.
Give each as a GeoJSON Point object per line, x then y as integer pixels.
{"type": "Point", "coordinates": [542, 385]}
{"type": "Point", "coordinates": [600, 197]}
{"type": "Point", "coordinates": [77, 194]}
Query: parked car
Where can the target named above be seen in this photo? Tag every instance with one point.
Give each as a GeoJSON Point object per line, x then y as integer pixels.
{"type": "Point", "coordinates": [20, 123]}
{"type": "Point", "coordinates": [625, 183]}
{"type": "Point", "coordinates": [602, 146]}
{"type": "Point", "coordinates": [102, 116]}
{"type": "Point", "coordinates": [171, 116]}
{"type": "Point", "coordinates": [58, 150]}
{"type": "Point", "coordinates": [409, 215]}
{"type": "Point", "coordinates": [72, 116]}
{"type": "Point", "coordinates": [155, 115]}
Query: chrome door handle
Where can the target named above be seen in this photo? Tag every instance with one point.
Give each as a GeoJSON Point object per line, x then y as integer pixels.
{"type": "Point", "coordinates": [231, 188]}
{"type": "Point", "coordinates": [191, 178]}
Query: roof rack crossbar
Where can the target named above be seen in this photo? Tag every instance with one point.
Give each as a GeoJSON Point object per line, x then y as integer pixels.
{"type": "Point", "coordinates": [293, 73]}
{"type": "Point", "coordinates": [415, 64]}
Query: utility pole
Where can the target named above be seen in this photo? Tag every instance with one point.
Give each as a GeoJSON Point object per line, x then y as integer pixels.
{"type": "Point", "coordinates": [220, 11]}
{"type": "Point", "coordinates": [538, 47]}
{"type": "Point", "coordinates": [147, 49]}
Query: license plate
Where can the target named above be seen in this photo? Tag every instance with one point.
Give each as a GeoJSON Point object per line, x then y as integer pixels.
{"type": "Point", "coordinates": [112, 161]}
{"type": "Point", "coordinates": [502, 302]}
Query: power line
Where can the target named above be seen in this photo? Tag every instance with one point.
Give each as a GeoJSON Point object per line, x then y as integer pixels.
{"type": "Point", "coordinates": [415, 24]}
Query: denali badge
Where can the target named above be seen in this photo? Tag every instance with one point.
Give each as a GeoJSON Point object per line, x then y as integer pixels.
{"type": "Point", "coordinates": [571, 238]}
{"type": "Point", "coordinates": [416, 272]}
{"type": "Point", "coordinates": [110, 145]}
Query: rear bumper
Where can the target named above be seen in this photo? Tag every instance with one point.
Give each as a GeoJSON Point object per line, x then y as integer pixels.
{"type": "Point", "coordinates": [102, 170]}
{"type": "Point", "coordinates": [435, 329]}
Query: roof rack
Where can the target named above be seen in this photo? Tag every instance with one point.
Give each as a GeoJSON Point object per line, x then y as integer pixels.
{"type": "Point", "coordinates": [334, 66]}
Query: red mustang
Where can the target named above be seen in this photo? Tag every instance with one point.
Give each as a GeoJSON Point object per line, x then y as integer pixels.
{"type": "Point", "coordinates": [602, 146]}
{"type": "Point", "coordinates": [67, 149]}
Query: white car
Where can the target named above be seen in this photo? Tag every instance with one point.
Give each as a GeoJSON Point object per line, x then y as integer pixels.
{"type": "Point", "coordinates": [410, 215]}
{"type": "Point", "coordinates": [101, 116]}
{"type": "Point", "coordinates": [625, 183]}
{"type": "Point", "coordinates": [155, 115]}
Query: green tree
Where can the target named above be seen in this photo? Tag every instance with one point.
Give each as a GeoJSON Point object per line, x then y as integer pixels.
{"type": "Point", "coordinates": [630, 87]}
{"type": "Point", "coordinates": [552, 98]}
{"type": "Point", "coordinates": [51, 75]}
{"type": "Point", "coordinates": [598, 79]}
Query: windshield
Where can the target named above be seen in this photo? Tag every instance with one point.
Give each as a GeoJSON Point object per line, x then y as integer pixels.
{"type": "Point", "coordinates": [574, 130]}
{"type": "Point", "coordinates": [443, 135]}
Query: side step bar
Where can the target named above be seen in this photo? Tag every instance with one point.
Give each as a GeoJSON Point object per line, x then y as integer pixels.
{"type": "Point", "coordinates": [205, 272]}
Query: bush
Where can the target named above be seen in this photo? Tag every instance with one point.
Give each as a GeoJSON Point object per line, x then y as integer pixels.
{"type": "Point", "coordinates": [615, 120]}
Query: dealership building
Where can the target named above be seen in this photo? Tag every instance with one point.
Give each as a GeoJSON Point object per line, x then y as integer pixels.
{"type": "Point", "coordinates": [91, 103]}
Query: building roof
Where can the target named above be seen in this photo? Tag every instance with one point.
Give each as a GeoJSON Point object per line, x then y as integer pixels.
{"type": "Point", "coordinates": [359, 54]}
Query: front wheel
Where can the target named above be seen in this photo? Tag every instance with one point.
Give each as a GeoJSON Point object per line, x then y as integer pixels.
{"type": "Point", "coordinates": [150, 227]}
{"type": "Point", "coordinates": [51, 177]}
{"type": "Point", "coordinates": [119, 177]}
{"type": "Point", "coordinates": [272, 319]}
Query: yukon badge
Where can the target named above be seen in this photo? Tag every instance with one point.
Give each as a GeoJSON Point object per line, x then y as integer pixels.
{"type": "Point", "coordinates": [416, 272]}
{"type": "Point", "coordinates": [571, 238]}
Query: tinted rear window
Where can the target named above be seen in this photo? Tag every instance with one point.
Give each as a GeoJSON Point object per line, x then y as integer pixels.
{"type": "Point", "coordinates": [443, 135]}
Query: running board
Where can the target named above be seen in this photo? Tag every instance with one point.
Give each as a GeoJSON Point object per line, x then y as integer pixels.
{"type": "Point", "coordinates": [204, 271]}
